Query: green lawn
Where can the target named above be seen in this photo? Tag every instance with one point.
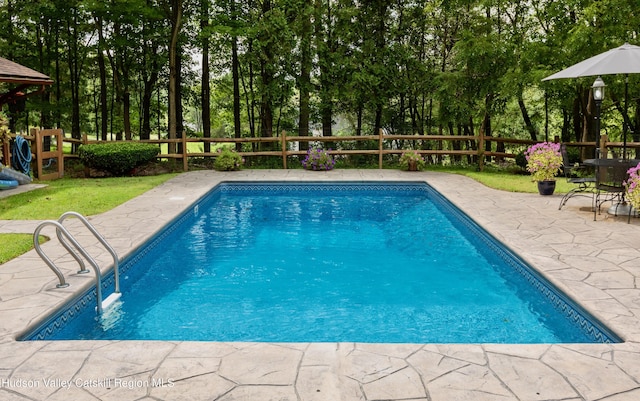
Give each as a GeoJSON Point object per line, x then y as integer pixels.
{"type": "Point", "coordinates": [514, 183]}
{"type": "Point", "coordinates": [90, 196]}
{"type": "Point", "coordinates": [87, 196]}
{"type": "Point", "coordinates": [12, 245]}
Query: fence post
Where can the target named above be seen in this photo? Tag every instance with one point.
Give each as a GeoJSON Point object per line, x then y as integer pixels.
{"type": "Point", "coordinates": [59, 134]}
{"type": "Point", "coordinates": [283, 139]}
{"type": "Point", "coordinates": [37, 150]}
{"type": "Point", "coordinates": [87, 170]}
{"type": "Point", "coordinates": [380, 148]}
{"type": "Point", "coordinates": [604, 151]}
{"type": "Point", "coordinates": [481, 148]}
{"type": "Point", "coordinates": [41, 154]}
{"type": "Point", "coordinates": [185, 160]}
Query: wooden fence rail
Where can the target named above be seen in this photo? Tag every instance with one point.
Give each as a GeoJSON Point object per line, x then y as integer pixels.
{"type": "Point", "coordinates": [383, 146]}
{"type": "Point", "coordinates": [282, 146]}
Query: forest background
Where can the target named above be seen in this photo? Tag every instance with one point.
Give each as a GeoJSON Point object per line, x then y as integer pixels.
{"type": "Point", "coordinates": [133, 69]}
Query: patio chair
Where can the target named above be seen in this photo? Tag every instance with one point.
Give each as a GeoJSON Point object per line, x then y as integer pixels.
{"type": "Point", "coordinates": [578, 174]}
{"type": "Point", "coordinates": [610, 177]}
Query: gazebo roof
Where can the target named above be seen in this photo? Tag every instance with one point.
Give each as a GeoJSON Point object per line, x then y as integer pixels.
{"type": "Point", "coordinates": [21, 77]}
{"type": "Point", "coordinates": [15, 73]}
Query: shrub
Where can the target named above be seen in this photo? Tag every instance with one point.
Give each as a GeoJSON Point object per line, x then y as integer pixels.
{"type": "Point", "coordinates": [521, 160]}
{"type": "Point", "coordinates": [228, 160]}
{"type": "Point", "coordinates": [117, 158]}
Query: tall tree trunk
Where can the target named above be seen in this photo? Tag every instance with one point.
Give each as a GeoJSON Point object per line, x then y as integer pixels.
{"type": "Point", "coordinates": [267, 76]}
{"type": "Point", "coordinates": [359, 112]}
{"type": "Point", "coordinates": [147, 95]}
{"type": "Point", "coordinates": [121, 79]}
{"type": "Point", "coordinates": [235, 72]}
{"type": "Point", "coordinates": [74, 60]}
{"type": "Point", "coordinates": [378, 119]}
{"type": "Point", "coordinates": [486, 132]}
{"type": "Point", "coordinates": [583, 122]}
{"type": "Point", "coordinates": [58, 72]}
{"type": "Point", "coordinates": [380, 41]}
{"type": "Point", "coordinates": [576, 112]}
{"type": "Point", "coordinates": [533, 133]}
{"type": "Point", "coordinates": [325, 50]}
{"type": "Point", "coordinates": [566, 125]}
{"type": "Point", "coordinates": [104, 106]}
{"type": "Point", "coordinates": [179, 114]}
{"type": "Point", "coordinates": [205, 93]}
{"type": "Point", "coordinates": [304, 81]}
{"type": "Point", "coordinates": [486, 121]}
{"type": "Point", "coordinates": [403, 112]}
{"type": "Point", "coordinates": [176, 23]}
{"type": "Point", "coordinates": [126, 113]}
{"type": "Point", "coordinates": [149, 76]}
{"type": "Point", "coordinates": [44, 34]}
{"type": "Point", "coordinates": [149, 79]}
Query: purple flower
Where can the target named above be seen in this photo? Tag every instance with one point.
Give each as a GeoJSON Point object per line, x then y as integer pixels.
{"type": "Point", "coordinates": [543, 160]}
{"type": "Point", "coordinates": [318, 159]}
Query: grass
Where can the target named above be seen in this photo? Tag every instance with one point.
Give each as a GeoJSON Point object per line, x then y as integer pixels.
{"type": "Point", "coordinates": [85, 196]}
{"type": "Point", "coordinates": [98, 195]}
{"type": "Point", "coordinates": [514, 183]}
{"type": "Point", "coordinates": [12, 245]}
{"type": "Point", "coordinates": [497, 178]}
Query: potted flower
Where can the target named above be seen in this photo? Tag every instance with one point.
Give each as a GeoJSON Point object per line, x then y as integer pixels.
{"type": "Point", "coordinates": [318, 160]}
{"type": "Point", "coordinates": [632, 185]}
{"type": "Point", "coordinates": [543, 162]}
{"type": "Point", "coordinates": [228, 160]}
{"type": "Point", "coordinates": [412, 160]}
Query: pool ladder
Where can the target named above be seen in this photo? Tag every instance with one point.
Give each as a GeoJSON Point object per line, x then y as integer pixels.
{"type": "Point", "coordinates": [65, 237]}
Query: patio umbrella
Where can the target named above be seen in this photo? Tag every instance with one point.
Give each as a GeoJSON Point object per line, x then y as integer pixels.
{"type": "Point", "coordinates": [621, 60]}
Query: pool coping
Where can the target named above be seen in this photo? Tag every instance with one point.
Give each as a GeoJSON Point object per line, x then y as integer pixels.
{"type": "Point", "coordinates": [594, 263]}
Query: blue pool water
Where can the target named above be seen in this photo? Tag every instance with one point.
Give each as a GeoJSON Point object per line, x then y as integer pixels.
{"type": "Point", "coordinates": [329, 262]}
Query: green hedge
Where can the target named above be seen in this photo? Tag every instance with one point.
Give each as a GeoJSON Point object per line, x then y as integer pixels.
{"type": "Point", "coordinates": [118, 158]}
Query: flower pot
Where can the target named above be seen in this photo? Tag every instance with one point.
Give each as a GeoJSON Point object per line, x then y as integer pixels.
{"type": "Point", "coordinates": [413, 166]}
{"type": "Point", "coordinates": [546, 187]}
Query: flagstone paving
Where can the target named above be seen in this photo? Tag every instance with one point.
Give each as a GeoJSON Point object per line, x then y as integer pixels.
{"type": "Point", "coordinates": [597, 263]}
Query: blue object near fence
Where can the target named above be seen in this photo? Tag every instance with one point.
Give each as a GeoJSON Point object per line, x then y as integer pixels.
{"type": "Point", "coordinates": [10, 175]}
{"type": "Point", "coordinates": [21, 155]}
{"type": "Point", "coordinates": [8, 184]}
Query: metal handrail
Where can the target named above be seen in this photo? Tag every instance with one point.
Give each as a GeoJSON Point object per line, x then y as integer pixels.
{"type": "Point", "coordinates": [63, 283]}
{"type": "Point", "coordinates": [65, 238]}
{"type": "Point", "coordinates": [100, 238]}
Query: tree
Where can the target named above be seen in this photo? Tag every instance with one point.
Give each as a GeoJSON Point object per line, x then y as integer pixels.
{"type": "Point", "coordinates": [174, 13]}
{"type": "Point", "coordinates": [205, 93]}
{"type": "Point", "coordinates": [76, 38]}
{"type": "Point", "coordinates": [304, 13]}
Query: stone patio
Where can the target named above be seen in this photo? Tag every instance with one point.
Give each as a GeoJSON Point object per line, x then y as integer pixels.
{"type": "Point", "coordinates": [596, 263]}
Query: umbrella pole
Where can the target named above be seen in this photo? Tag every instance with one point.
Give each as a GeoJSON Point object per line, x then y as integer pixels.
{"type": "Point", "coordinates": [625, 117]}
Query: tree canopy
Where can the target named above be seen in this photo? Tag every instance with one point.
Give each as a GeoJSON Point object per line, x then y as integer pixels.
{"type": "Point", "coordinates": [132, 68]}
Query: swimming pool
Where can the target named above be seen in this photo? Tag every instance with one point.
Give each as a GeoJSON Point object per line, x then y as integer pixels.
{"type": "Point", "coordinates": [347, 291]}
